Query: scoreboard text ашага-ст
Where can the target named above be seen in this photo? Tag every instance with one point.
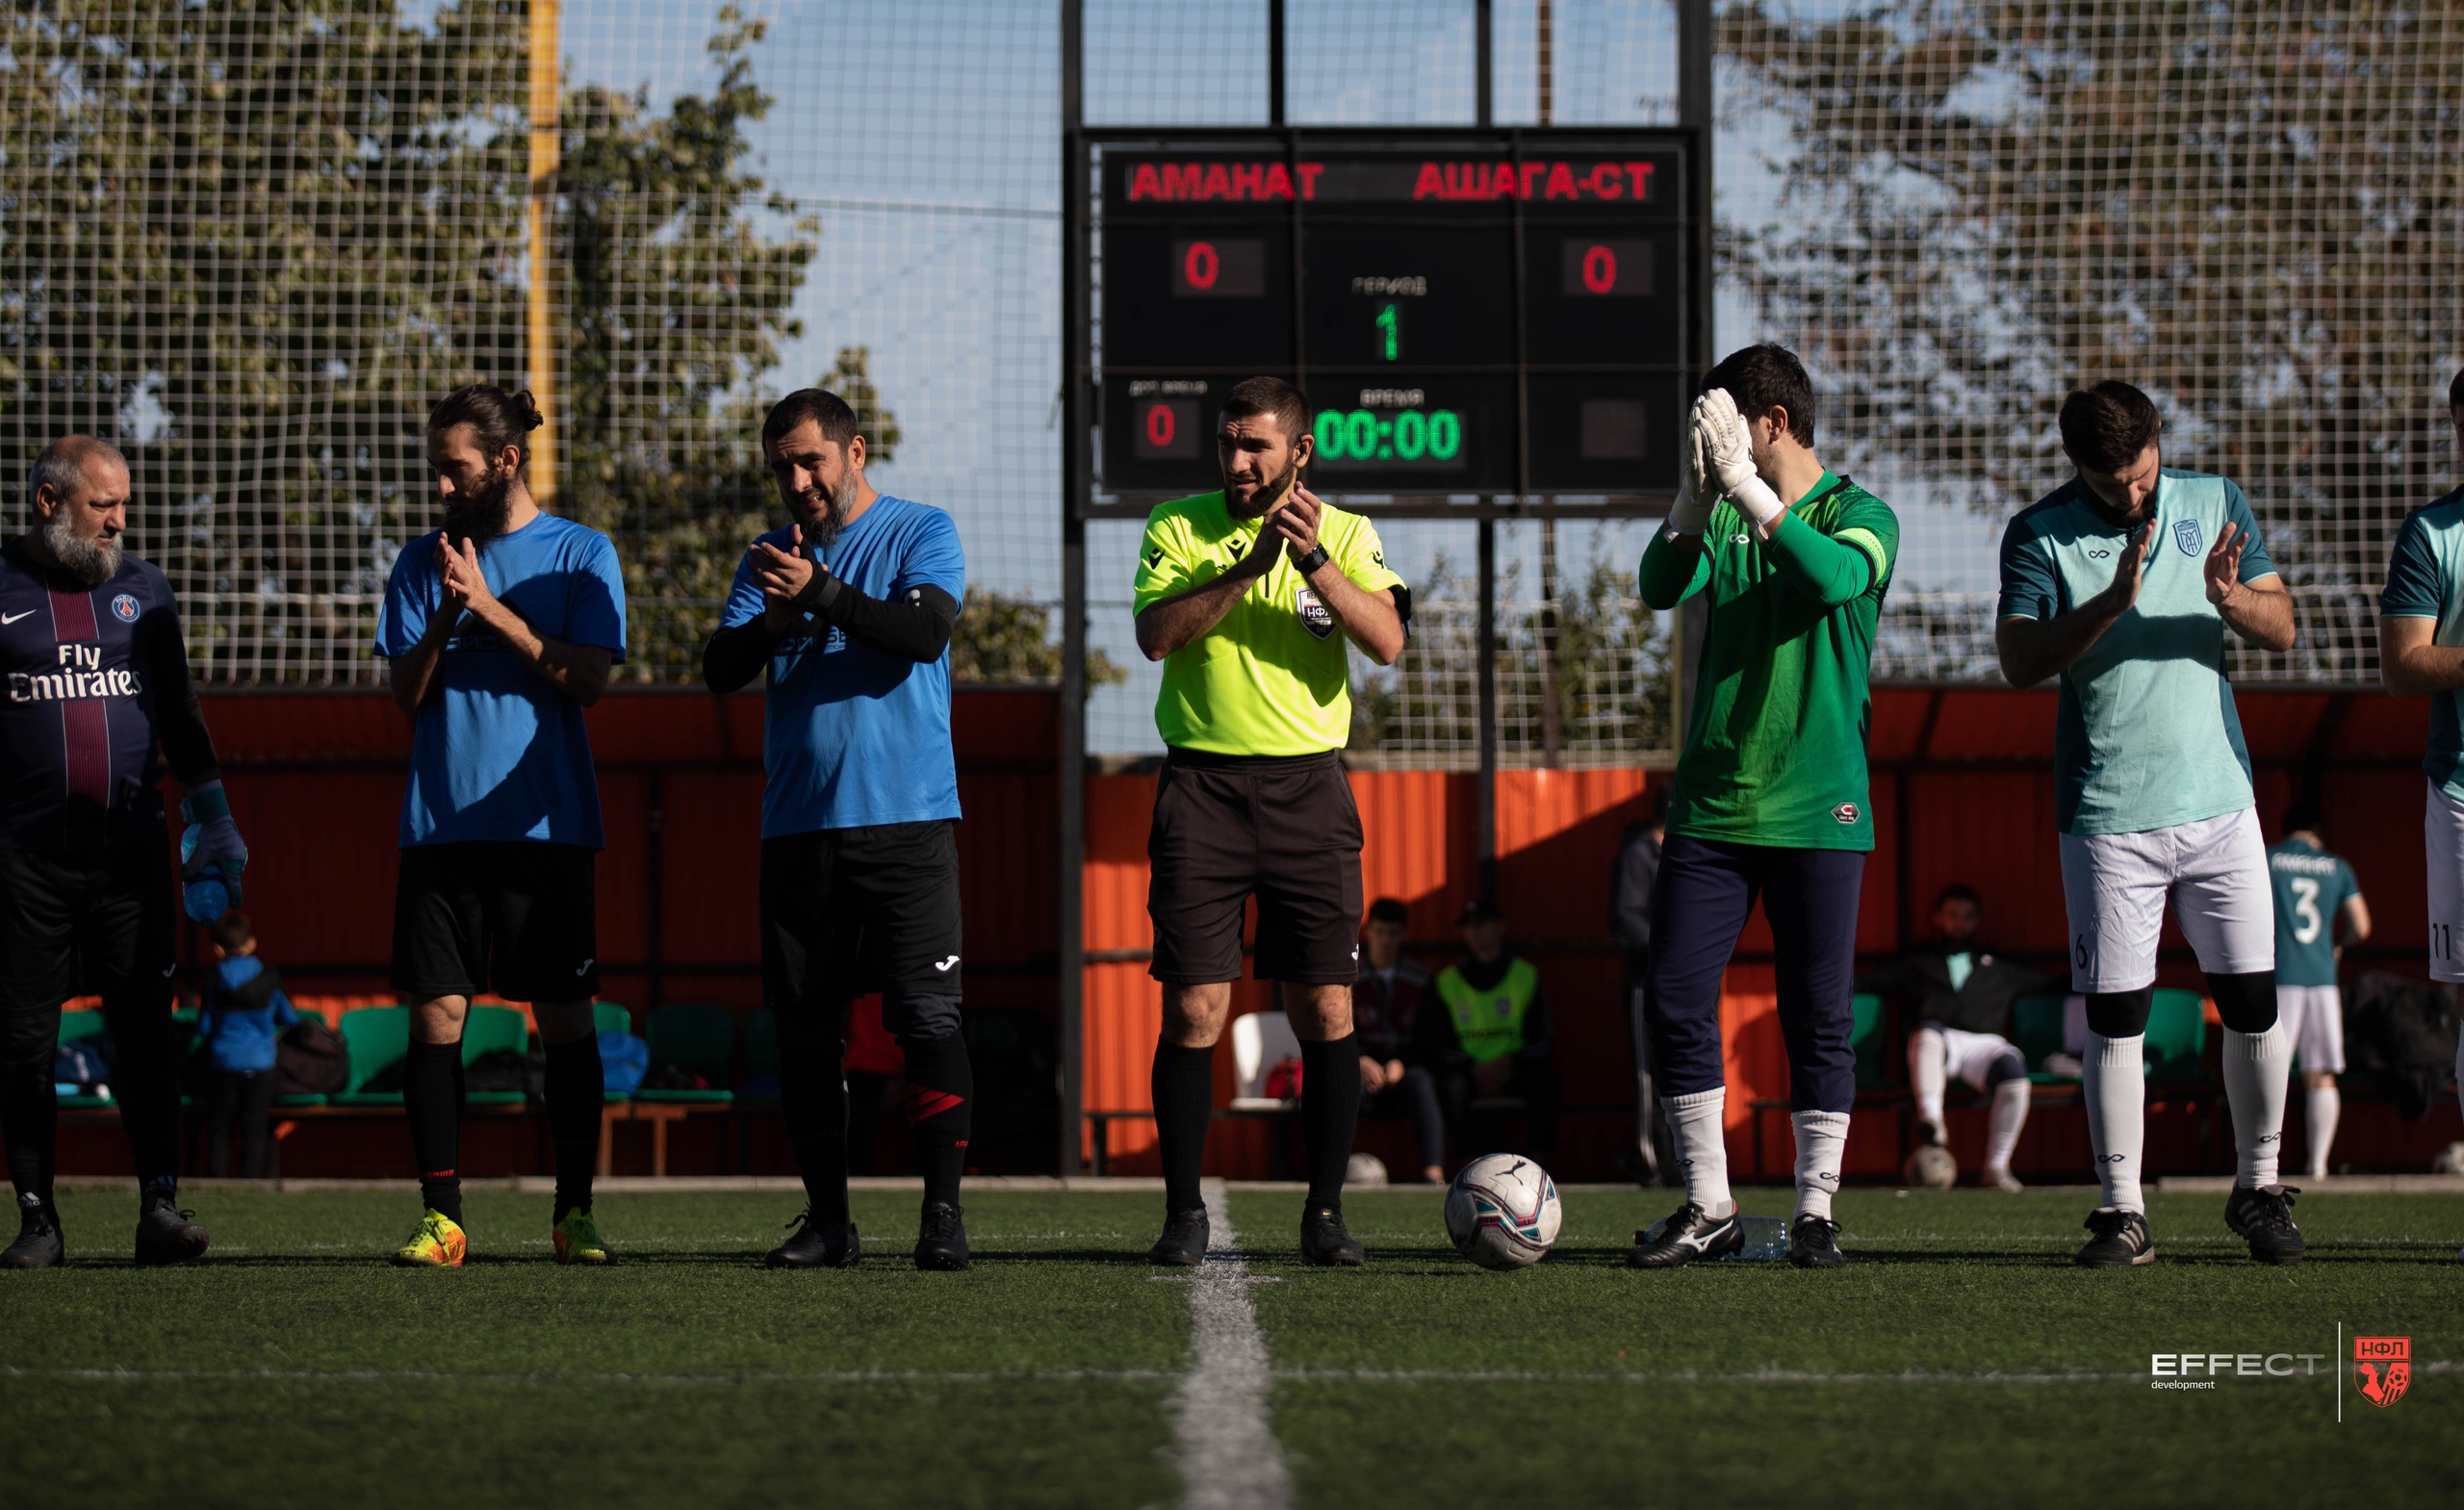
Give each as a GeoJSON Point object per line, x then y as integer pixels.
{"type": "Point", "coordinates": [1449, 302]}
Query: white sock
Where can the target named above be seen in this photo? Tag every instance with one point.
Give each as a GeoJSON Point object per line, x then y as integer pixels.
{"type": "Point", "coordinates": [1699, 1123]}
{"type": "Point", "coordinates": [1927, 1054]}
{"type": "Point", "coordinates": [2322, 1106]}
{"type": "Point", "coordinates": [2114, 1083]}
{"type": "Point", "coordinates": [2258, 1069]}
{"type": "Point", "coordinates": [2010, 1114]}
{"type": "Point", "coordinates": [1822, 1143]}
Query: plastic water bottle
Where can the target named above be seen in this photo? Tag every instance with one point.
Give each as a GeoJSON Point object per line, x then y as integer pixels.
{"type": "Point", "coordinates": [1767, 1237]}
{"type": "Point", "coordinates": [206, 898]}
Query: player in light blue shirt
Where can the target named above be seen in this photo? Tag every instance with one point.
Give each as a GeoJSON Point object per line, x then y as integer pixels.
{"type": "Point", "coordinates": [2420, 652]}
{"type": "Point", "coordinates": [2124, 581]}
{"type": "Point", "coordinates": [849, 609]}
{"type": "Point", "coordinates": [500, 628]}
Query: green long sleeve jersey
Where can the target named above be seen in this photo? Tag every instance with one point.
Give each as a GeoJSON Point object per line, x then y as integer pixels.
{"type": "Point", "coordinates": [1775, 751]}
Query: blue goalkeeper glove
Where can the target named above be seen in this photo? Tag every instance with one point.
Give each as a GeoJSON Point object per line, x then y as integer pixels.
{"type": "Point", "coordinates": [211, 837]}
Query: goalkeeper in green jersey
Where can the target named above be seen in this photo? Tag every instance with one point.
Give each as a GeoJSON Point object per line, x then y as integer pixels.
{"type": "Point", "coordinates": [1770, 793]}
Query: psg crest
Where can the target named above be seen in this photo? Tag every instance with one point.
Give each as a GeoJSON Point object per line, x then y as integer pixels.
{"type": "Point", "coordinates": [2186, 535]}
{"type": "Point", "coordinates": [2381, 1368]}
{"type": "Point", "coordinates": [125, 606]}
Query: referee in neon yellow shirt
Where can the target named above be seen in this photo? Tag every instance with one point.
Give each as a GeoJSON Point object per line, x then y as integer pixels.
{"type": "Point", "coordinates": [1247, 595]}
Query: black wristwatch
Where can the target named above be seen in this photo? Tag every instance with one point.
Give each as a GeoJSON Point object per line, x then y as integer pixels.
{"type": "Point", "coordinates": [1316, 558]}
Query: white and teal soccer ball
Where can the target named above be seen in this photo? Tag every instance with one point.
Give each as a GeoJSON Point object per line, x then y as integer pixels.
{"type": "Point", "coordinates": [1503, 1212]}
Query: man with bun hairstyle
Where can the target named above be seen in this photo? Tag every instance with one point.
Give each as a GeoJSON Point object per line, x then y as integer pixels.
{"type": "Point", "coordinates": [500, 627]}
{"type": "Point", "coordinates": [97, 679]}
{"type": "Point", "coordinates": [2122, 582]}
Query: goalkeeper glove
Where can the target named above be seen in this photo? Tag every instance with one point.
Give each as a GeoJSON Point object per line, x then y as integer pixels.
{"type": "Point", "coordinates": [1728, 444]}
{"type": "Point", "coordinates": [211, 837]}
{"type": "Point", "coordinates": [1691, 513]}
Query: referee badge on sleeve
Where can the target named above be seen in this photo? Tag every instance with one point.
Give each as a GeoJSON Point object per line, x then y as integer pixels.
{"type": "Point", "coordinates": [1314, 616]}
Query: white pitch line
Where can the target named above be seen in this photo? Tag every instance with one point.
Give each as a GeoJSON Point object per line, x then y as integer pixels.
{"type": "Point", "coordinates": [438, 1376]}
{"type": "Point", "coordinates": [1228, 1456]}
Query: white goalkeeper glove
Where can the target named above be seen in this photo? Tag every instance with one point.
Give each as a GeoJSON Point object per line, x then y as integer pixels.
{"type": "Point", "coordinates": [1691, 513]}
{"type": "Point", "coordinates": [1728, 444]}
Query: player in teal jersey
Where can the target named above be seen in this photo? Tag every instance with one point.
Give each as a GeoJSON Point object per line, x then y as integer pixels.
{"type": "Point", "coordinates": [2123, 580]}
{"type": "Point", "coordinates": [1770, 795]}
{"type": "Point", "coordinates": [2315, 893]}
{"type": "Point", "coordinates": [2420, 652]}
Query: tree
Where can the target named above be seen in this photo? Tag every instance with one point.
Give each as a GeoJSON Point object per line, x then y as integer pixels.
{"type": "Point", "coordinates": [2249, 208]}
{"type": "Point", "coordinates": [675, 306]}
{"type": "Point", "coordinates": [254, 241]}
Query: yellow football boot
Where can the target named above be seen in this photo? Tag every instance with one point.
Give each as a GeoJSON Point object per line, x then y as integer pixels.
{"type": "Point", "coordinates": [577, 1239]}
{"type": "Point", "coordinates": [439, 1244]}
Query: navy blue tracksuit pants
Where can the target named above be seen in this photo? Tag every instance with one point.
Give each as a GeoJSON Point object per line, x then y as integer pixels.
{"type": "Point", "coordinates": [1705, 889]}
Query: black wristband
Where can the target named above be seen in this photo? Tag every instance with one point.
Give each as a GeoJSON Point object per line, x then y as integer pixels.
{"type": "Point", "coordinates": [1316, 558]}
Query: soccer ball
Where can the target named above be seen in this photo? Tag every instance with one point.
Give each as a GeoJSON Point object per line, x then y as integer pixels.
{"type": "Point", "coordinates": [1932, 1167]}
{"type": "Point", "coordinates": [1503, 1212]}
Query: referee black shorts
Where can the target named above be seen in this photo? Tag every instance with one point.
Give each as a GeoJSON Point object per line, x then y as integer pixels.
{"type": "Point", "coordinates": [1231, 826]}
{"type": "Point", "coordinates": [516, 917]}
{"type": "Point", "coordinates": [849, 911]}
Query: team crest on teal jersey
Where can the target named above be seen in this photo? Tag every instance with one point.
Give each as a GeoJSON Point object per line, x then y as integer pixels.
{"type": "Point", "coordinates": [2186, 535]}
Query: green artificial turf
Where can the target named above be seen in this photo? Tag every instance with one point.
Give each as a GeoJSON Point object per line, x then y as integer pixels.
{"type": "Point", "coordinates": [1960, 1358]}
{"type": "Point", "coordinates": [1874, 1384]}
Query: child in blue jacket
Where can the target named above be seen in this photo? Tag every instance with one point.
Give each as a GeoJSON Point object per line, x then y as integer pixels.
{"type": "Point", "coordinates": [245, 1013]}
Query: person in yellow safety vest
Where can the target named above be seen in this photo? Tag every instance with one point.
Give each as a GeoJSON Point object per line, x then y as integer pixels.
{"type": "Point", "coordinates": [1492, 1034]}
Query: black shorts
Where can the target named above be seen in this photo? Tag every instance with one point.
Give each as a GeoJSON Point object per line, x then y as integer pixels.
{"type": "Point", "coordinates": [848, 912]}
{"type": "Point", "coordinates": [516, 918]}
{"type": "Point", "coordinates": [1285, 830]}
{"type": "Point", "coordinates": [77, 921]}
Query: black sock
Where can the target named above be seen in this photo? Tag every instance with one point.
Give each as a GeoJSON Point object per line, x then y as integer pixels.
{"type": "Point", "coordinates": [29, 1109]}
{"type": "Point", "coordinates": [940, 1111]}
{"type": "Point", "coordinates": [812, 1101]}
{"type": "Point", "coordinates": [146, 1082]}
{"type": "Point", "coordinates": [577, 1092]}
{"type": "Point", "coordinates": [1184, 1092]}
{"type": "Point", "coordinates": [1329, 1114]}
{"type": "Point", "coordinates": [433, 1103]}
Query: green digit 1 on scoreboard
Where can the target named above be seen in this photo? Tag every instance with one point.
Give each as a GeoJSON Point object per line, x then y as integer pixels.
{"type": "Point", "coordinates": [1390, 333]}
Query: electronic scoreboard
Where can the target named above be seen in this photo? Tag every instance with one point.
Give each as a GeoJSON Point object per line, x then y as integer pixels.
{"type": "Point", "coordinates": [1471, 313]}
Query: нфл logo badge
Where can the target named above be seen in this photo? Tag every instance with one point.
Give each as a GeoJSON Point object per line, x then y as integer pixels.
{"type": "Point", "coordinates": [1314, 616]}
{"type": "Point", "coordinates": [2381, 1368]}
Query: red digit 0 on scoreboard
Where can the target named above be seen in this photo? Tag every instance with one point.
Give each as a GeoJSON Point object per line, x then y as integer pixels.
{"type": "Point", "coordinates": [1600, 270]}
{"type": "Point", "coordinates": [1160, 426]}
{"type": "Point", "coordinates": [1200, 266]}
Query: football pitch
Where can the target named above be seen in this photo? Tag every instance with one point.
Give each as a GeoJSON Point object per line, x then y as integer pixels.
{"type": "Point", "coordinates": [1959, 1358]}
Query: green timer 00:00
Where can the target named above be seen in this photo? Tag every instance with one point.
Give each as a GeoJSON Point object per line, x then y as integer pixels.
{"type": "Point", "coordinates": [1407, 435]}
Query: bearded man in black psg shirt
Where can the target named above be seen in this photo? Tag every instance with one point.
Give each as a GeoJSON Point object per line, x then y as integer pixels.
{"type": "Point", "coordinates": [92, 676]}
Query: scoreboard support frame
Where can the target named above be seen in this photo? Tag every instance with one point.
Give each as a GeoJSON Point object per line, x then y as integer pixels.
{"type": "Point", "coordinates": [1080, 402]}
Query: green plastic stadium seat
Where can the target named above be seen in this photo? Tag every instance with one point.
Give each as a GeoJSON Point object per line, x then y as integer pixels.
{"type": "Point", "coordinates": [761, 1057]}
{"type": "Point", "coordinates": [77, 1026]}
{"type": "Point", "coordinates": [2036, 1028]}
{"type": "Point", "coordinates": [610, 1017]}
{"type": "Point", "coordinates": [486, 1030]}
{"type": "Point", "coordinates": [697, 1038]}
{"type": "Point", "coordinates": [2177, 1035]}
{"type": "Point", "coordinates": [1866, 1038]}
{"type": "Point", "coordinates": [298, 1102]}
{"type": "Point", "coordinates": [375, 1037]}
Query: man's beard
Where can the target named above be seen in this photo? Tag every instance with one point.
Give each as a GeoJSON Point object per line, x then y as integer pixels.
{"type": "Point", "coordinates": [91, 561]}
{"type": "Point", "coordinates": [1266, 496]}
{"type": "Point", "coordinates": [481, 514]}
{"type": "Point", "coordinates": [826, 519]}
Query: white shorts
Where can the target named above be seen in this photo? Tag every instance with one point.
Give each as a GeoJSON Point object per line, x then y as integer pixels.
{"type": "Point", "coordinates": [2214, 871]}
{"type": "Point", "coordinates": [1972, 1056]}
{"type": "Point", "coordinates": [2313, 1018]}
{"type": "Point", "coordinates": [2443, 844]}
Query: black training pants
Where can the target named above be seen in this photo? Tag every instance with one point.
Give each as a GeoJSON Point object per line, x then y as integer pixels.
{"type": "Point", "coordinates": [99, 919]}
